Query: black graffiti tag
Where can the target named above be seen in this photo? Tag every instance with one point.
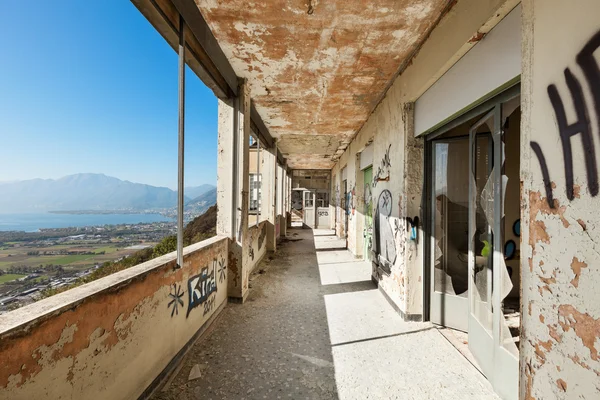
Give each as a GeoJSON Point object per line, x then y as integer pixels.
{"type": "Point", "coordinates": [383, 171]}
{"type": "Point", "coordinates": [200, 287]}
{"type": "Point", "coordinates": [582, 126]}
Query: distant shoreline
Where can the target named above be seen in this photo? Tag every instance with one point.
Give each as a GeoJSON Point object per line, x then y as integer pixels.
{"type": "Point", "coordinates": [104, 212]}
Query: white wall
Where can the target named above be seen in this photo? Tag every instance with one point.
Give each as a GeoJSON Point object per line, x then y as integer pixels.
{"type": "Point", "coordinates": [559, 259]}
{"type": "Point", "coordinates": [492, 62]}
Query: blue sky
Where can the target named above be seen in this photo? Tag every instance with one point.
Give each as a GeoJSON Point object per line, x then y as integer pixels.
{"type": "Point", "coordinates": [90, 86]}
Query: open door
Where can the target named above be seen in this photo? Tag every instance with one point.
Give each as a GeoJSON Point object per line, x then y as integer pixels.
{"type": "Point", "coordinates": [482, 247]}
{"type": "Point", "coordinates": [489, 281]}
{"type": "Point", "coordinates": [309, 208]}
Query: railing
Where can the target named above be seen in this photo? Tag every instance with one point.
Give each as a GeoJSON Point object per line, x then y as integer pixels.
{"type": "Point", "coordinates": [114, 337]}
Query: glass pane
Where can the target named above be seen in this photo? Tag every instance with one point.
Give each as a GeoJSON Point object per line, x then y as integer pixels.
{"type": "Point", "coordinates": [484, 220]}
{"type": "Point", "coordinates": [451, 216]}
{"type": "Point", "coordinates": [308, 200]}
{"type": "Point", "coordinates": [322, 199]}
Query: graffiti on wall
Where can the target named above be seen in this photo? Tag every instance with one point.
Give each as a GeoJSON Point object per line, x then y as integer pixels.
{"type": "Point", "coordinates": [201, 286]}
{"type": "Point", "coordinates": [209, 305]}
{"type": "Point", "coordinates": [350, 202]}
{"type": "Point", "coordinates": [297, 200]}
{"type": "Point", "coordinates": [262, 236]}
{"type": "Point", "coordinates": [251, 251]}
{"type": "Point", "coordinates": [176, 297]}
{"type": "Point", "coordinates": [222, 270]}
{"type": "Point", "coordinates": [383, 171]}
{"type": "Point", "coordinates": [323, 213]}
{"type": "Point", "coordinates": [582, 126]}
{"type": "Point", "coordinates": [368, 230]}
{"type": "Point", "coordinates": [385, 245]}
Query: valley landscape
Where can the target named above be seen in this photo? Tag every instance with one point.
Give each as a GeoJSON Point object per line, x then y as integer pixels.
{"type": "Point", "coordinates": [55, 234]}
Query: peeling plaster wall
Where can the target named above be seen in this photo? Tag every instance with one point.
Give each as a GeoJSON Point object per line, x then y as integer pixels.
{"type": "Point", "coordinates": [316, 76]}
{"type": "Point", "coordinates": [560, 340]}
{"type": "Point", "coordinates": [398, 155]}
{"type": "Point", "coordinates": [111, 338]}
{"type": "Point", "coordinates": [255, 247]}
{"type": "Point", "coordinates": [385, 129]}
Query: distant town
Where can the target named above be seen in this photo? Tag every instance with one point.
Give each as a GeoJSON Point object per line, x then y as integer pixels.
{"type": "Point", "coordinates": [33, 263]}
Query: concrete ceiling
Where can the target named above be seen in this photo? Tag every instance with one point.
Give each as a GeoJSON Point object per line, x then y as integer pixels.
{"type": "Point", "coordinates": [318, 68]}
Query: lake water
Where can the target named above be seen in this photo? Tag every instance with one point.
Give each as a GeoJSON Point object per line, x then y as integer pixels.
{"type": "Point", "coordinates": [34, 222]}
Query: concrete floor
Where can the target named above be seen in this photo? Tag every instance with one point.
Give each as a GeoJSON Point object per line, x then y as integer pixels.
{"type": "Point", "coordinates": [316, 327]}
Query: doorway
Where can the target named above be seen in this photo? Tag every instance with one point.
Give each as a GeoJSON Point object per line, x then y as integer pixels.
{"type": "Point", "coordinates": [322, 204]}
{"type": "Point", "coordinates": [309, 208]}
{"type": "Point", "coordinates": [473, 244]}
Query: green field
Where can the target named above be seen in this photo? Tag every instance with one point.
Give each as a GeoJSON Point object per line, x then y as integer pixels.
{"type": "Point", "coordinates": [64, 260]}
{"type": "Point", "coordinates": [9, 277]}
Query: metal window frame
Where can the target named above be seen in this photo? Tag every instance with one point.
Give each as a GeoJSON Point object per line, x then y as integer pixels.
{"type": "Point", "coordinates": [426, 202]}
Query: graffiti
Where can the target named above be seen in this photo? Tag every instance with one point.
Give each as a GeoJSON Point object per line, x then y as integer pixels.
{"type": "Point", "coordinates": [349, 203]}
{"type": "Point", "coordinates": [385, 246]}
{"type": "Point", "coordinates": [397, 227]}
{"type": "Point", "coordinates": [323, 213]}
{"type": "Point", "coordinates": [368, 230]}
{"type": "Point", "coordinates": [591, 70]}
{"type": "Point", "coordinates": [176, 302]}
{"type": "Point", "coordinates": [413, 225]}
{"type": "Point", "coordinates": [383, 171]}
{"type": "Point", "coordinates": [367, 195]}
{"type": "Point", "coordinates": [297, 200]}
{"type": "Point", "coordinates": [222, 270]}
{"type": "Point", "coordinates": [352, 202]}
{"type": "Point", "coordinates": [209, 305]}
{"type": "Point", "coordinates": [262, 236]}
{"type": "Point", "coordinates": [251, 252]}
{"type": "Point", "coordinates": [200, 287]}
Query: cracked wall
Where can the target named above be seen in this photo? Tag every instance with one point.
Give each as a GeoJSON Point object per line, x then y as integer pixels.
{"type": "Point", "coordinates": [560, 340]}
{"type": "Point", "coordinates": [112, 337]}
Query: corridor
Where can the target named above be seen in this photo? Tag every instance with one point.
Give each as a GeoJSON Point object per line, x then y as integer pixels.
{"type": "Point", "coordinates": [316, 327]}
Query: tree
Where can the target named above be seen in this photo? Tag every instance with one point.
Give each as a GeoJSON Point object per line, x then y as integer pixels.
{"type": "Point", "coordinates": [167, 245]}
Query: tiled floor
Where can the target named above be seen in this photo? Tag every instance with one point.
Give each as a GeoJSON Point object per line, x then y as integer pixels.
{"type": "Point", "coordinates": [316, 327]}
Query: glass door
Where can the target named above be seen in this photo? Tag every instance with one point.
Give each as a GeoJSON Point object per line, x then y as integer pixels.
{"type": "Point", "coordinates": [490, 340]}
{"type": "Point", "coordinates": [449, 206]}
{"type": "Point", "coordinates": [322, 205]}
{"type": "Point", "coordinates": [482, 246]}
{"type": "Point", "coordinates": [309, 208]}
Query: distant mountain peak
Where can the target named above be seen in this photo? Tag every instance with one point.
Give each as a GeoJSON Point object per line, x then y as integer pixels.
{"type": "Point", "coordinates": [86, 191]}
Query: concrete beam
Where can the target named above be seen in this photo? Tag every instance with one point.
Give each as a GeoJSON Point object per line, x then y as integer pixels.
{"type": "Point", "coordinates": [209, 45]}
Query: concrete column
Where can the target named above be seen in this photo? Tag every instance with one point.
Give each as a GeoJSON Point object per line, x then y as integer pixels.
{"type": "Point", "coordinates": [238, 259]}
{"type": "Point", "coordinates": [284, 202]}
{"type": "Point", "coordinates": [410, 205]}
{"type": "Point", "coordinates": [359, 204]}
{"type": "Point", "coordinates": [271, 167]}
{"type": "Point", "coordinates": [226, 177]}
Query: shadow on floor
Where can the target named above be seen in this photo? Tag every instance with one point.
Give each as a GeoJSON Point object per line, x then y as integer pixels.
{"type": "Point", "coordinates": [316, 327]}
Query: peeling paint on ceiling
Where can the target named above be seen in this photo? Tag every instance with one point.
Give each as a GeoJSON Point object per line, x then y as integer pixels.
{"type": "Point", "coordinates": [316, 77]}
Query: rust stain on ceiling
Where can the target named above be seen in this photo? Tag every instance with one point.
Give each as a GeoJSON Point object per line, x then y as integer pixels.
{"type": "Point", "coordinates": [318, 68]}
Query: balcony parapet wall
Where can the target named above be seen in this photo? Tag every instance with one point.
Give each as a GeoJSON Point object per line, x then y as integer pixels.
{"type": "Point", "coordinates": [113, 337]}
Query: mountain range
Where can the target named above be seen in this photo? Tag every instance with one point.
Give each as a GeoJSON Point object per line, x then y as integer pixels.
{"type": "Point", "coordinates": [92, 192]}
